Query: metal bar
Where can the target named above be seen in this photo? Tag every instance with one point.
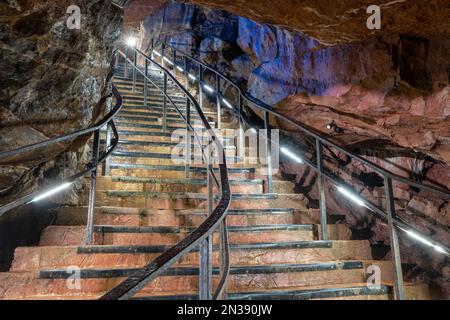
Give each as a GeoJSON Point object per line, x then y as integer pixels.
{"type": "Point", "coordinates": [93, 186]}
{"type": "Point", "coordinates": [188, 140]}
{"type": "Point", "coordinates": [165, 104]}
{"type": "Point", "coordinates": [395, 248]}
{"type": "Point", "coordinates": [269, 184]}
{"type": "Point", "coordinates": [163, 49]}
{"type": "Point", "coordinates": [321, 186]}
{"type": "Point", "coordinates": [125, 72]}
{"type": "Point", "coordinates": [200, 86]}
{"type": "Point", "coordinates": [219, 104]}
{"type": "Point", "coordinates": [174, 67]}
{"type": "Point", "coordinates": [107, 163]}
{"type": "Point", "coordinates": [134, 71]}
{"type": "Point", "coordinates": [146, 83]}
{"type": "Point", "coordinates": [205, 277]}
{"type": "Point", "coordinates": [186, 74]}
{"type": "Point", "coordinates": [241, 138]}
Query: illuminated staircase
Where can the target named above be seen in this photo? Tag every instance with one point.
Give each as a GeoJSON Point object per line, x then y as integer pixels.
{"type": "Point", "coordinates": [147, 204]}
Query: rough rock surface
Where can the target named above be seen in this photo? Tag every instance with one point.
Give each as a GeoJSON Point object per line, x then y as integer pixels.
{"type": "Point", "coordinates": [388, 95]}
{"type": "Point", "coordinates": [53, 77]}
{"type": "Point", "coordinates": [338, 22]}
{"type": "Point", "coordinates": [52, 82]}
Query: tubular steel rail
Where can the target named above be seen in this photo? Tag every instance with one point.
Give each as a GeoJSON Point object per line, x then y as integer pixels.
{"type": "Point", "coordinates": [394, 222]}
{"type": "Point", "coordinates": [108, 120]}
{"type": "Point", "coordinates": [217, 216]}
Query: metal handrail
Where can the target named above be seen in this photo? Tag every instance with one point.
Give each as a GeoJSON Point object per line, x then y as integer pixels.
{"type": "Point", "coordinates": [140, 278]}
{"type": "Point", "coordinates": [313, 132]}
{"type": "Point", "coordinates": [394, 221]}
{"type": "Point", "coordinates": [107, 120]}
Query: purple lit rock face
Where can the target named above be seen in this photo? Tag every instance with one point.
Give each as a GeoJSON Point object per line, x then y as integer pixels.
{"type": "Point", "coordinates": [389, 94]}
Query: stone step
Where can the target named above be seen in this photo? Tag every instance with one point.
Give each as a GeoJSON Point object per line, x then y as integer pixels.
{"type": "Point", "coordinates": [165, 136]}
{"type": "Point", "coordinates": [125, 122]}
{"type": "Point", "coordinates": [177, 171]}
{"type": "Point", "coordinates": [346, 291]}
{"type": "Point", "coordinates": [144, 236]}
{"type": "Point", "coordinates": [152, 158]}
{"type": "Point", "coordinates": [69, 216]}
{"type": "Point", "coordinates": [153, 118]}
{"type": "Point", "coordinates": [162, 147]}
{"type": "Point", "coordinates": [303, 252]}
{"type": "Point", "coordinates": [183, 200]}
{"type": "Point", "coordinates": [242, 279]}
{"type": "Point", "coordinates": [178, 185]}
{"type": "Point", "coordinates": [157, 108]}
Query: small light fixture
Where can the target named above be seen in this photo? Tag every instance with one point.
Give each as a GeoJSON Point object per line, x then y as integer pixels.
{"type": "Point", "coordinates": [332, 126]}
{"type": "Point", "coordinates": [225, 101]}
{"type": "Point", "coordinates": [168, 61]}
{"type": "Point", "coordinates": [291, 155]}
{"type": "Point", "coordinates": [51, 192]}
{"type": "Point", "coordinates": [208, 88]}
{"type": "Point", "coordinates": [131, 41]}
{"type": "Point", "coordinates": [351, 196]}
{"type": "Point", "coordinates": [180, 69]}
{"type": "Point", "coordinates": [192, 77]}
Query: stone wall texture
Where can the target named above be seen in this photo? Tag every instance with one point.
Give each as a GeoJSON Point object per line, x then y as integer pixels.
{"type": "Point", "coordinates": [53, 81]}
{"type": "Point", "coordinates": [387, 92]}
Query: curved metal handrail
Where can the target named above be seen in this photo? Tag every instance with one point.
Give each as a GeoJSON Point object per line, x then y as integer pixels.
{"type": "Point", "coordinates": [313, 132]}
{"type": "Point", "coordinates": [324, 140]}
{"type": "Point", "coordinates": [140, 278]}
{"type": "Point", "coordinates": [108, 119]}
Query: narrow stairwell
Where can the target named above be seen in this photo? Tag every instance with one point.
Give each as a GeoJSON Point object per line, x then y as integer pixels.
{"type": "Point", "coordinates": [147, 204]}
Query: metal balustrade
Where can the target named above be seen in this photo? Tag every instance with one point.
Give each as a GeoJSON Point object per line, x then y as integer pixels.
{"type": "Point", "coordinates": [216, 220]}
{"type": "Point", "coordinates": [395, 223]}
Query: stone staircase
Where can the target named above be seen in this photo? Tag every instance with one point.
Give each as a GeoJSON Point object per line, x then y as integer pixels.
{"type": "Point", "coordinates": [147, 204]}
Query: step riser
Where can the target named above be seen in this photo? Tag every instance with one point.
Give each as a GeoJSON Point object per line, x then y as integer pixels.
{"type": "Point", "coordinates": [168, 284]}
{"type": "Point", "coordinates": [103, 199]}
{"type": "Point", "coordinates": [34, 258]}
{"type": "Point", "coordinates": [78, 216]}
{"type": "Point", "coordinates": [63, 236]}
{"type": "Point", "coordinates": [173, 174]}
{"type": "Point", "coordinates": [155, 187]}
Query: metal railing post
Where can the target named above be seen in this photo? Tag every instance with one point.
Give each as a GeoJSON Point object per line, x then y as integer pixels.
{"type": "Point", "coordinates": [163, 49]}
{"type": "Point", "coordinates": [188, 140]}
{"type": "Point", "coordinates": [125, 72]}
{"type": "Point", "coordinates": [395, 248]}
{"type": "Point", "coordinates": [269, 185]}
{"type": "Point", "coordinates": [152, 55]}
{"type": "Point", "coordinates": [164, 124]}
{"type": "Point", "coordinates": [200, 86]}
{"type": "Point", "coordinates": [186, 74]}
{"type": "Point", "coordinates": [219, 104]}
{"type": "Point", "coordinates": [134, 70]}
{"type": "Point", "coordinates": [146, 83]}
{"type": "Point", "coordinates": [92, 190]}
{"type": "Point", "coordinates": [205, 277]}
{"type": "Point", "coordinates": [107, 162]}
{"type": "Point", "coordinates": [241, 138]}
{"type": "Point", "coordinates": [174, 67]}
{"type": "Point", "coordinates": [321, 186]}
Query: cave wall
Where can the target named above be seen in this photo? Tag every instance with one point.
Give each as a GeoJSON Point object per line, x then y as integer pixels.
{"type": "Point", "coordinates": [53, 81]}
{"type": "Point", "coordinates": [388, 95]}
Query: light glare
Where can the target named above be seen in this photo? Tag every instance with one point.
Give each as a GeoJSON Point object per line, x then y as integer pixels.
{"type": "Point", "coordinates": [351, 196]}
{"type": "Point", "coordinates": [225, 101]}
{"type": "Point", "coordinates": [131, 41]}
{"type": "Point", "coordinates": [51, 192]}
{"type": "Point", "coordinates": [291, 155]}
{"type": "Point", "coordinates": [208, 88]}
